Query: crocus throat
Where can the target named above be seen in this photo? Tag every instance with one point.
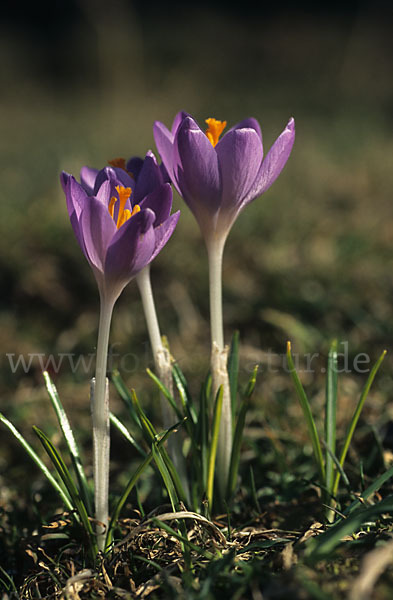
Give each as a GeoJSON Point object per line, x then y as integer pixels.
{"type": "Point", "coordinates": [124, 213]}
{"type": "Point", "coordinates": [214, 130]}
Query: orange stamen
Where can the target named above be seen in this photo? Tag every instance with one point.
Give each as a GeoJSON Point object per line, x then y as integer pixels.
{"type": "Point", "coordinates": [124, 213]}
{"type": "Point", "coordinates": [214, 130]}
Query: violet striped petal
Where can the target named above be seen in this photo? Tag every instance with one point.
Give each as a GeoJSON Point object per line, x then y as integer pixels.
{"type": "Point", "coordinates": [132, 243]}
{"type": "Point", "coordinates": [164, 142]}
{"type": "Point", "coordinates": [88, 177]}
{"type": "Point", "coordinates": [240, 155]}
{"type": "Point", "coordinates": [196, 169]}
{"type": "Point", "coordinates": [160, 202]}
{"type": "Point", "coordinates": [97, 228]}
{"type": "Point", "coordinates": [273, 163]}
{"type": "Point", "coordinates": [149, 178]}
{"type": "Point", "coordinates": [163, 232]}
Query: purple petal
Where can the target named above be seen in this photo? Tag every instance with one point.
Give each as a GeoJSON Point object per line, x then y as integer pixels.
{"type": "Point", "coordinates": [75, 194]}
{"type": "Point", "coordinates": [97, 228]}
{"type": "Point", "coordinates": [105, 193]}
{"type": "Point", "coordinates": [197, 170]}
{"type": "Point", "coordinates": [240, 156]}
{"type": "Point", "coordinates": [160, 202]}
{"type": "Point", "coordinates": [164, 142]}
{"type": "Point", "coordinates": [131, 247]}
{"type": "Point", "coordinates": [273, 163]}
{"type": "Point", "coordinates": [164, 232]}
{"type": "Point", "coordinates": [114, 174]}
{"type": "Point", "coordinates": [88, 177]}
{"type": "Point", "coordinates": [178, 120]}
{"type": "Point", "coordinates": [149, 178]}
{"type": "Point", "coordinates": [134, 166]}
{"type": "Point", "coordinates": [249, 123]}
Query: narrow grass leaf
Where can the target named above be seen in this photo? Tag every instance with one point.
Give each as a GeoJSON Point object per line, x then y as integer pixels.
{"type": "Point", "coordinates": [124, 431]}
{"type": "Point", "coordinates": [322, 545]}
{"type": "Point", "coordinates": [251, 383]}
{"type": "Point", "coordinates": [238, 435]}
{"type": "Point", "coordinates": [70, 441]}
{"type": "Point", "coordinates": [166, 477]}
{"type": "Point", "coordinates": [330, 417]}
{"type": "Point", "coordinates": [65, 476]}
{"type": "Point", "coordinates": [370, 491]}
{"type": "Point", "coordinates": [151, 437]}
{"type": "Point", "coordinates": [305, 405]}
{"type": "Point", "coordinates": [34, 456]}
{"type": "Point", "coordinates": [233, 371]}
{"type": "Point", "coordinates": [130, 485]}
{"type": "Point", "coordinates": [213, 445]}
{"type": "Point", "coordinates": [355, 418]}
{"type": "Point", "coordinates": [185, 396]}
{"type": "Point", "coordinates": [125, 395]}
{"type": "Point", "coordinates": [183, 539]}
{"type": "Point", "coordinates": [165, 392]}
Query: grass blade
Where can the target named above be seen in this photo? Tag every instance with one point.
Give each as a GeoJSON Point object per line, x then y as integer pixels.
{"type": "Point", "coordinates": [73, 491]}
{"type": "Point", "coordinates": [124, 431]}
{"type": "Point", "coordinates": [238, 435]}
{"type": "Point", "coordinates": [355, 418]}
{"type": "Point", "coordinates": [322, 545]}
{"type": "Point", "coordinates": [305, 405]}
{"type": "Point", "coordinates": [125, 395]}
{"type": "Point", "coordinates": [70, 441]}
{"type": "Point", "coordinates": [185, 396]}
{"type": "Point", "coordinates": [166, 477]}
{"type": "Point", "coordinates": [368, 492]}
{"type": "Point", "coordinates": [330, 418]}
{"type": "Point", "coordinates": [130, 485]}
{"type": "Point", "coordinates": [165, 392]}
{"type": "Point", "coordinates": [233, 371]}
{"type": "Point", "coordinates": [34, 456]}
{"type": "Point", "coordinates": [151, 437]}
{"type": "Point", "coordinates": [213, 445]}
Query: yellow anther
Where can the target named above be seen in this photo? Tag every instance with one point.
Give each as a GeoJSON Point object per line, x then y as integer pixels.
{"type": "Point", "coordinates": [124, 213]}
{"type": "Point", "coordinates": [135, 210]}
{"type": "Point", "coordinates": [214, 130]}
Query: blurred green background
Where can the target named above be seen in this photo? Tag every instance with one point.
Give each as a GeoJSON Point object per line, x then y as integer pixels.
{"type": "Point", "coordinates": [83, 82]}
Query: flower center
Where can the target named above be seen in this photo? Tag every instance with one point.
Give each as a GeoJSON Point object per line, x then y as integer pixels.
{"type": "Point", "coordinates": [214, 130]}
{"type": "Point", "coordinates": [123, 213]}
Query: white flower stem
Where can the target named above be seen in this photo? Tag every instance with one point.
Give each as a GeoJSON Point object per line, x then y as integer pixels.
{"type": "Point", "coordinates": [215, 248]}
{"type": "Point", "coordinates": [100, 418]}
{"type": "Point", "coordinates": [162, 361]}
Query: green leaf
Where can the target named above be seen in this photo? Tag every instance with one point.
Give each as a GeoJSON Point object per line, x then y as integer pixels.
{"type": "Point", "coordinates": [305, 405]}
{"type": "Point", "coordinates": [185, 396]}
{"type": "Point", "coordinates": [125, 395]}
{"type": "Point", "coordinates": [368, 492]}
{"type": "Point", "coordinates": [130, 485]}
{"type": "Point", "coordinates": [213, 445]}
{"type": "Point", "coordinates": [330, 417]}
{"type": "Point", "coordinates": [124, 431]}
{"type": "Point", "coordinates": [322, 545]}
{"type": "Point", "coordinates": [34, 456]}
{"type": "Point", "coordinates": [166, 477]}
{"type": "Point", "coordinates": [65, 476]}
{"type": "Point", "coordinates": [233, 370]}
{"type": "Point", "coordinates": [151, 437]}
{"type": "Point", "coordinates": [355, 418]}
{"type": "Point", "coordinates": [164, 390]}
{"type": "Point", "coordinates": [238, 435]}
{"type": "Point", "coordinates": [70, 441]}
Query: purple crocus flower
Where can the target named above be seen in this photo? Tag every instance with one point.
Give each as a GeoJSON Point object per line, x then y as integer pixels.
{"type": "Point", "coordinates": [217, 177]}
{"type": "Point", "coordinates": [121, 223]}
